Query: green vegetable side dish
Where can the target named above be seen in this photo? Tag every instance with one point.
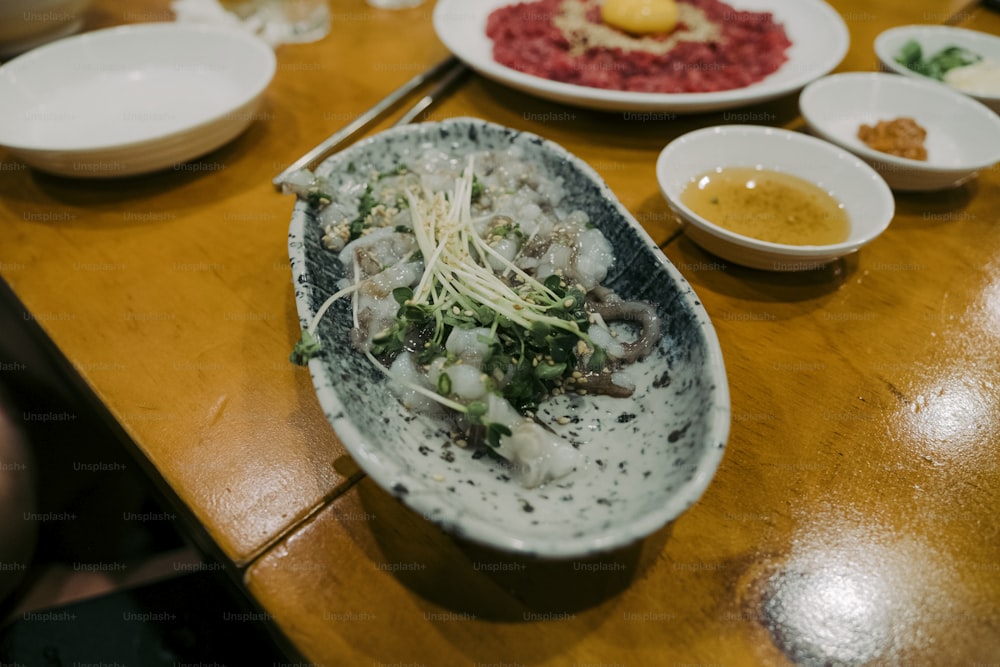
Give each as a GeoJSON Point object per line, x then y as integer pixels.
{"type": "Point", "coordinates": [937, 65]}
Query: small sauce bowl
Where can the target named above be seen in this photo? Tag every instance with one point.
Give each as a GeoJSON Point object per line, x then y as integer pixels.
{"type": "Point", "coordinates": [863, 193]}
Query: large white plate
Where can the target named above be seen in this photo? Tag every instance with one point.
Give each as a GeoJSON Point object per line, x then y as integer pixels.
{"type": "Point", "coordinates": [818, 34]}
{"type": "Point", "coordinates": [131, 99]}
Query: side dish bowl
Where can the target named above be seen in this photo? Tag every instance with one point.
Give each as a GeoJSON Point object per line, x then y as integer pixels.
{"type": "Point", "coordinates": [131, 99]}
{"type": "Point", "coordinates": [645, 459]}
{"type": "Point", "coordinates": [963, 136]}
{"type": "Point", "coordinates": [864, 195]}
{"type": "Point", "coordinates": [933, 38]}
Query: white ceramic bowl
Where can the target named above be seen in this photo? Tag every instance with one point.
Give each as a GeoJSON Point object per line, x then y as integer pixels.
{"type": "Point", "coordinates": [865, 196]}
{"type": "Point", "coordinates": [131, 99]}
{"type": "Point", "coordinates": [933, 38]}
{"type": "Point", "coordinates": [25, 24]}
{"type": "Point", "coordinates": [963, 136]}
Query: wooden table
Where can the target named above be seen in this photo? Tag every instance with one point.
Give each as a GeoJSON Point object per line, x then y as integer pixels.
{"type": "Point", "coordinates": [852, 521]}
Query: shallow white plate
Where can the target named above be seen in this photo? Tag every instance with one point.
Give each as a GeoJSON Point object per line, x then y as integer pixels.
{"type": "Point", "coordinates": [131, 99]}
{"type": "Point", "coordinates": [933, 38]}
{"type": "Point", "coordinates": [644, 459]}
{"type": "Point", "coordinates": [963, 135]}
{"type": "Point", "coordinates": [819, 42]}
{"type": "Point", "coordinates": [865, 196]}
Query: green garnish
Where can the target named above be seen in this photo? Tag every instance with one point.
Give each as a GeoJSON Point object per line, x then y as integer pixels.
{"type": "Point", "coordinates": [477, 189]}
{"type": "Point", "coordinates": [444, 384]}
{"type": "Point", "coordinates": [307, 348]}
{"type": "Point", "coordinates": [318, 199]}
{"type": "Point", "coordinates": [494, 432]}
{"type": "Point", "coordinates": [365, 206]}
{"type": "Point", "coordinates": [936, 66]}
{"type": "Point", "coordinates": [397, 171]}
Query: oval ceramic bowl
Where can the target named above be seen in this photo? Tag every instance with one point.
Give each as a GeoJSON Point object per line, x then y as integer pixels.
{"type": "Point", "coordinates": [645, 459]}
{"type": "Point", "coordinates": [866, 197]}
{"type": "Point", "coordinates": [933, 38]}
{"type": "Point", "coordinates": [131, 99]}
{"type": "Point", "coordinates": [963, 136]}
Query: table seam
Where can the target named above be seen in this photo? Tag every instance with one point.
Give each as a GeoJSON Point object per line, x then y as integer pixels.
{"type": "Point", "coordinates": [327, 500]}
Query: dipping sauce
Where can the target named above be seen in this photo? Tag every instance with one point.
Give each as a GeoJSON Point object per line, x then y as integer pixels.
{"type": "Point", "coordinates": [768, 205]}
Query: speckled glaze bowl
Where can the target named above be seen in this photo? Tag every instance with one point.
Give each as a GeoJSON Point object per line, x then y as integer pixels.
{"type": "Point", "coordinates": [646, 459]}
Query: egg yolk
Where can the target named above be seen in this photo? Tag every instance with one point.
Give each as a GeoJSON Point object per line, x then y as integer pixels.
{"type": "Point", "coordinates": [640, 17]}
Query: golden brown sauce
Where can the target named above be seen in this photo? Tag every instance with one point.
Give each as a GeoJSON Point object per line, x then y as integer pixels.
{"type": "Point", "coordinates": [768, 205]}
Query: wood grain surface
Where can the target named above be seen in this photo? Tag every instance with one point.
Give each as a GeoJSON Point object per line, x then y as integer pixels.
{"type": "Point", "coordinates": [852, 521]}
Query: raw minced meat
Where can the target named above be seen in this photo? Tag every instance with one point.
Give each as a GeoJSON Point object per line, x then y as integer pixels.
{"type": "Point", "coordinates": [714, 47]}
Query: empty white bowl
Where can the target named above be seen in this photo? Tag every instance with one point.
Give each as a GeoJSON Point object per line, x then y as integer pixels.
{"type": "Point", "coordinates": [866, 198]}
{"type": "Point", "coordinates": [131, 99]}
{"type": "Point", "coordinates": [963, 136]}
{"type": "Point", "coordinates": [933, 38]}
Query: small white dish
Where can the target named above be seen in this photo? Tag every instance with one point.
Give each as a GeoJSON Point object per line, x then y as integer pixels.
{"type": "Point", "coordinates": [865, 196]}
{"type": "Point", "coordinates": [963, 136]}
{"type": "Point", "coordinates": [819, 42]}
{"type": "Point", "coordinates": [131, 99]}
{"type": "Point", "coordinates": [933, 38]}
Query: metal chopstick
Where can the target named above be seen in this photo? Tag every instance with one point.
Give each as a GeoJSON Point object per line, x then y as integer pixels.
{"type": "Point", "coordinates": [365, 119]}
{"type": "Point", "coordinates": [433, 95]}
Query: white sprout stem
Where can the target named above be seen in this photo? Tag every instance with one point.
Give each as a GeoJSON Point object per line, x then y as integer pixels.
{"type": "Point", "coordinates": [480, 243]}
{"type": "Point", "coordinates": [326, 306]}
{"type": "Point", "coordinates": [430, 249]}
{"type": "Point", "coordinates": [449, 271]}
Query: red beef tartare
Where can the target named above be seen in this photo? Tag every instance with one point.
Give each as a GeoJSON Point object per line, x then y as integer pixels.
{"type": "Point", "coordinates": [714, 47]}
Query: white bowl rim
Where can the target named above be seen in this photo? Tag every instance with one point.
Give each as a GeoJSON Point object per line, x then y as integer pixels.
{"type": "Point", "coordinates": [887, 59]}
{"type": "Point", "coordinates": [880, 187]}
{"type": "Point", "coordinates": [182, 29]}
{"type": "Point", "coordinates": [923, 84]}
